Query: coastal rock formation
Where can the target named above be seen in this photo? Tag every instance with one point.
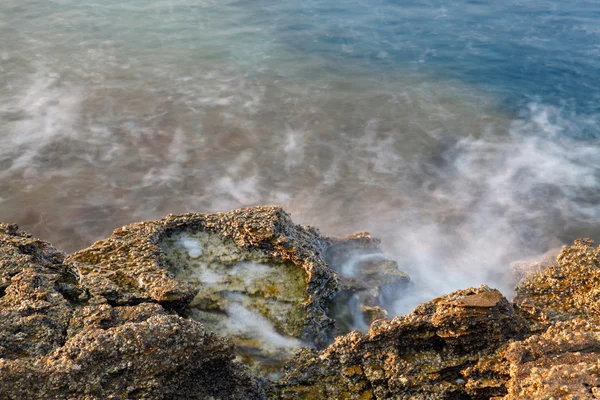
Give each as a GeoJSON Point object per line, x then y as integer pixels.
{"type": "Point", "coordinates": [60, 339]}
{"type": "Point", "coordinates": [472, 344]}
{"type": "Point", "coordinates": [438, 351]}
{"type": "Point", "coordinates": [562, 302]}
{"type": "Point", "coordinates": [250, 274]}
{"type": "Point", "coordinates": [164, 309]}
{"type": "Point", "coordinates": [211, 306]}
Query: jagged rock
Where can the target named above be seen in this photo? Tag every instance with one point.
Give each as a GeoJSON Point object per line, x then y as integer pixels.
{"type": "Point", "coordinates": [141, 258]}
{"type": "Point", "coordinates": [472, 344]}
{"type": "Point", "coordinates": [123, 319]}
{"type": "Point", "coordinates": [563, 362]}
{"type": "Point", "coordinates": [251, 266]}
{"type": "Point", "coordinates": [249, 274]}
{"type": "Point", "coordinates": [570, 287]}
{"type": "Point", "coordinates": [561, 303]}
{"type": "Point", "coordinates": [60, 340]}
{"type": "Point", "coordinates": [427, 354]}
{"type": "Point", "coordinates": [368, 281]}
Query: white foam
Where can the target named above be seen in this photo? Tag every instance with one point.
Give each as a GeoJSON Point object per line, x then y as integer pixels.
{"type": "Point", "coordinates": [50, 113]}
{"type": "Point", "coordinates": [244, 321]}
{"type": "Point", "coordinates": [192, 245]}
{"type": "Point", "coordinates": [251, 272]}
{"type": "Point", "coordinates": [498, 199]}
{"type": "Point", "coordinates": [349, 268]}
{"type": "Point", "coordinates": [293, 148]}
{"type": "Point", "coordinates": [209, 276]}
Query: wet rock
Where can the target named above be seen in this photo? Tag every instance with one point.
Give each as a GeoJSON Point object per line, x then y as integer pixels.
{"type": "Point", "coordinates": [427, 354]}
{"type": "Point", "coordinates": [472, 344]}
{"type": "Point", "coordinates": [251, 275]}
{"type": "Point", "coordinates": [569, 287]}
{"type": "Point", "coordinates": [368, 281]}
{"type": "Point", "coordinates": [59, 339]}
{"type": "Point", "coordinates": [561, 304]}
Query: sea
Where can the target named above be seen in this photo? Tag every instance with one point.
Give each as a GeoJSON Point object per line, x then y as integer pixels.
{"type": "Point", "coordinates": [465, 134]}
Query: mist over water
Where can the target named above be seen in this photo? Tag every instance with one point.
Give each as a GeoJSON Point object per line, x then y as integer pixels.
{"type": "Point", "coordinates": [463, 134]}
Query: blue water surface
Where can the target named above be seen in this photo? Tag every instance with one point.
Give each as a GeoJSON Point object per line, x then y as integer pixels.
{"type": "Point", "coordinates": [545, 51]}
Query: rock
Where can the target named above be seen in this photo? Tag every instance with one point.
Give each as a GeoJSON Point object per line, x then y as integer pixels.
{"type": "Point", "coordinates": [250, 274]}
{"type": "Point", "coordinates": [570, 287]}
{"type": "Point", "coordinates": [163, 294]}
{"type": "Point", "coordinates": [427, 354]}
{"type": "Point", "coordinates": [561, 303]}
{"type": "Point", "coordinates": [472, 344]}
{"type": "Point", "coordinates": [368, 281]}
{"type": "Point", "coordinates": [167, 309]}
{"type": "Point", "coordinates": [562, 362]}
{"type": "Point", "coordinates": [60, 339]}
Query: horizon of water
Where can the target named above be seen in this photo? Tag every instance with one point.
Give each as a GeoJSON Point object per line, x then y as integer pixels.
{"type": "Point", "coordinates": [464, 134]}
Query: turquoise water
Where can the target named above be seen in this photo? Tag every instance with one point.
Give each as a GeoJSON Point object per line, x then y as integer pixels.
{"type": "Point", "coordinates": [463, 133]}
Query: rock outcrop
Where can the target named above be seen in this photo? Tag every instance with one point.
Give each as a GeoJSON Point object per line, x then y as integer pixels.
{"type": "Point", "coordinates": [472, 344]}
{"type": "Point", "coordinates": [174, 308]}
{"type": "Point", "coordinates": [562, 302]}
{"type": "Point", "coordinates": [211, 306]}
{"type": "Point", "coordinates": [441, 350]}
{"type": "Point", "coordinates": [60, 338]}
{"type": "Point", "coordinates": [248, 274]}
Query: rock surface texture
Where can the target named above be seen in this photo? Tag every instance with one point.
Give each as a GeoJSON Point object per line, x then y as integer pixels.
{"type": "Point", "coordinates": [472, 344]}
{"type": "Point", "coordinates": [63, 337]}
{"type": "Point", "coordinates": [210, 306]}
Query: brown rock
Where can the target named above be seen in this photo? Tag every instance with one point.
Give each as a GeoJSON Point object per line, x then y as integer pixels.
{"type": "Point", "coordinates": [427, 354]}
{"type": "Point", "coordinates": [60, 340]}
{"type": "Point", "coordinates": [106, 322]}
{"type": "Point", "coordinates": [133, 265]}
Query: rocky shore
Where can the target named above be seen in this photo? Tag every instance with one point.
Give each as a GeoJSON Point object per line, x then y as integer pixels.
{"type": "Point", "coordinates": [248, 305]}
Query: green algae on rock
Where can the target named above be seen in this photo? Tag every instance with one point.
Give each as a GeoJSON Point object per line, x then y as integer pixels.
{"type": "Point", "coordinates": [250, 275]}
{"type": "Point", "coordinates": [257, 301]}
{"type": "Point", "coordinates": [150, 259]}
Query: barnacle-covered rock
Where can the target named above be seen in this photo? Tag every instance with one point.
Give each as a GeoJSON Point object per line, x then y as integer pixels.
{"type": "Point", "coordinates": [567, 288]}
{"type": "Point", "coordinates": [561, 303]}
{"type": "Point", "coordinates": [35, 306]}
{"type": "Point", "coordinates": [427, 354]}
{"type": "Point", "coordinates": [60, 339]}
{"type": "Point", "coordinates": [142, 315]}
{"type": "Point", "coordinates": [250, 274]}
{"type": "Point", "coordinates": [563, 362]}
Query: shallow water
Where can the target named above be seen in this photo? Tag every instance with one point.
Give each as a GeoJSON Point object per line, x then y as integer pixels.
{"type": "Point", "coordinates": [463, 133]}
